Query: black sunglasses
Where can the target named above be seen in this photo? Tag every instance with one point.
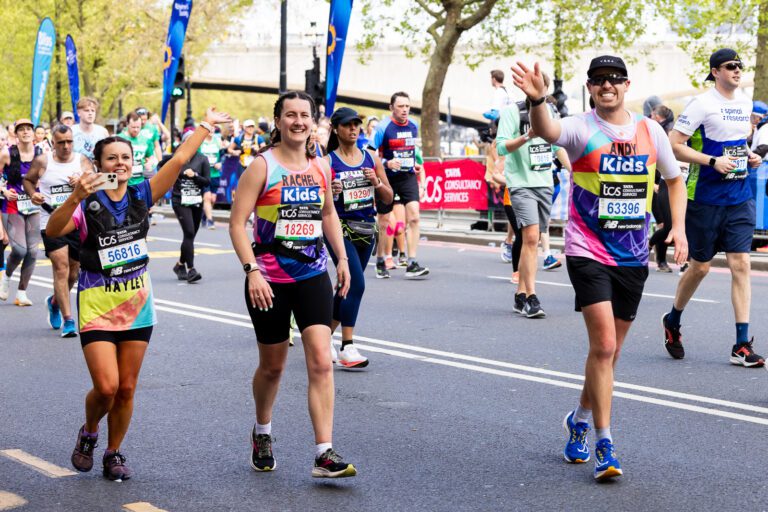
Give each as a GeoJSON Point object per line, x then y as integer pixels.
{"type": "Point", "coordinates": [613, 79]}
{"type": "Point", "coordinates": [733, 66]}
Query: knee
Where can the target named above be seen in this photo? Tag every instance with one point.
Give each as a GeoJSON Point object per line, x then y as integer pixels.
{"type": "Point", "coordinates": [604, 351]}
{"type": "Point", "coordinates": [739, 266]}
{"type": "Point", "coordinates": [60, 269]}
{"type": "Point", "coordinates": [531, 236]}
{"type": "Point", "coordinates": [106, 390]}
{"type": "Point", "coordinates": [271, 371]}
{"type": "Point", "coordinates": [320, 366]}
{"type": "Point", "coordinates": [698, 269]}
{"type": "Point", "coordinates": [125, 392]}
{"type": "Point", "coordinates": [413, 219]}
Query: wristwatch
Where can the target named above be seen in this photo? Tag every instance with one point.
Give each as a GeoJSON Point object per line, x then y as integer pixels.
{"type": "Point", "coordinates": [250, 267]}
{"type": "Point", "coordinates": [536, 103]}
{"type": "Point", "coordinates": [712, 161]}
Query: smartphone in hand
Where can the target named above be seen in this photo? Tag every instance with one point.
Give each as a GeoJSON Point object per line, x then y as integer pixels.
{"type": "Point", "coordinates": [109, 183]}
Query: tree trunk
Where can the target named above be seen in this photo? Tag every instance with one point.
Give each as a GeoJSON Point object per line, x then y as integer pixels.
{"type": "Point", "coordinates": [433, 86]}
{"type": "Point", "coordinates": [761, 55]}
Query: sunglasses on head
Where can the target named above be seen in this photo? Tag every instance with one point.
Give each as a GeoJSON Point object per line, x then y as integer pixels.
{"type": "Point", "coordinates": [613, 79]}
{"type": "Point", "coordinates": [733, 66]}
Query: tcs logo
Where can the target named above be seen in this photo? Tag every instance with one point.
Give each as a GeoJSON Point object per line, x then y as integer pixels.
{"type": "Point", "coordinates": [433, 192]}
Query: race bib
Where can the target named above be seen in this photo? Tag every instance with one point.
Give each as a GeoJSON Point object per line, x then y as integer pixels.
{"type": "Point", "coordinates": [299, 222]}
{"type": "Point", "coordinates": [741, 156]}
{"type": "Point", "coordinates": [122, 254]}
{"type": "Point", "coordinates": [191, 196]}
{"type": "Point", "coordinates": [622, 206]}
{"type": "Point", "coordinates": [59, 194]}
{"type": "Point", "coordinates": [357, 191]}
{"type": "Point", "coordinates": [137, 171]}
{"type": "Point", "coordinates": [541, 156]}
{"type": "Point", "coordinates": [25, 206]}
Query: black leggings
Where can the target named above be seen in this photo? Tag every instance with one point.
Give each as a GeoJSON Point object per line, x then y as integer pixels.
{"type": "Point", "coordinates": [663, 214]}
{"type": "Point", "coordinates": [517, 245]}
{"type": "Point", "coordinates": [189, 219]}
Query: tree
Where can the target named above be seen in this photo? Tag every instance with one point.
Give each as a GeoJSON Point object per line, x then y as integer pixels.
{"type": "Point", "coordinates": [120, 48]}
{"type": "Point", "coordinates": [553, 29]}
{"type": "Point", "coordinates": [706, 25]}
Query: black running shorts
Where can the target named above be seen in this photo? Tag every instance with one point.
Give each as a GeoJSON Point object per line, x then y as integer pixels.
{"type": "Point", "coordinates": [594, 282]}
{"type": "Point", "coordinates": [405, 187]}
{"type": "Point", "coordinates": [310, 300]}
{"type": "Point", "coordinates": [141, 334]}
{"type": "Point", "coordinates": [70, 240]}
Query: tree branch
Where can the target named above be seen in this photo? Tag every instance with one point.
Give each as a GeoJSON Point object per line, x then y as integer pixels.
{"type": "Point", "coordinates": [429, 11]}
{"type": "Point", "coordinates": [479, 15]}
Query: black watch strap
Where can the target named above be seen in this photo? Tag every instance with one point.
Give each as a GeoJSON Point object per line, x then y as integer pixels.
{"type": "Point", "coordinates": [712, 161]}
{"type": "Point", "coordinates": [535, 103]}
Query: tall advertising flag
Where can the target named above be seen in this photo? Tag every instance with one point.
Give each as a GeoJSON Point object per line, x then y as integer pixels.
{"type": "Point", "coordinates": [338, 23]}
{"type": "Point", "coordinates": [74, 75]}
{"type": "Point", "coordinates": [177, 31]}
{"type": "Point", "coordinates": [41, 66]}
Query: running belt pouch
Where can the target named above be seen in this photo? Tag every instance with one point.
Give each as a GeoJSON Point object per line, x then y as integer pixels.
{"type": "Point", "coordinates": [278, 248]}
{"type": "Point", "coordinates": [361, 228]}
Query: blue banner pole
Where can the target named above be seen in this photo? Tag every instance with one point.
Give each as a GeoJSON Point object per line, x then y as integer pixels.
{"type": "Point", "coordinates": [174, 44]}
{"type": "Point", "coordinates": [338, 23]}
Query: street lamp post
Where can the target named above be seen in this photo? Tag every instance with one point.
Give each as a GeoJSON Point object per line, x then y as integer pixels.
{"type": "Point", "coordinates": [283, 45]}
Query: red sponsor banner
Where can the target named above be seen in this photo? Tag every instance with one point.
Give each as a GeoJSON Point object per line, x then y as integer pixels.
{"type": "Point", "coordinates": [455, 185]}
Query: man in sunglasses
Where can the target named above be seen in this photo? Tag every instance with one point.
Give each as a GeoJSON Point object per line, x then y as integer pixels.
{"type": "Point", "coordinates": [614, 156]}
{"type": "Point", "coordinates": [711, 134]}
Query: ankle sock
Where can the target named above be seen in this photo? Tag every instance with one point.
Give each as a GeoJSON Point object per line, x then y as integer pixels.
{"type": "Point", "coordinates": [411, 260]}
{"type": "Point", "coordinates": [742, 333]}
{"type": "Point", "coordinates": [263, 429]}
{"type": "Point", "coordinates": [321, 448]}
{"type": "Point", "coordinates": [582, 415]}
{"type": "Point", "coordinates": [603, 433]}
{"type": "Point", "coordinates": [344, 343]}
{"type": "Point", "coordinates": [673, 318]}
{"type": "Point", "coordinates": [380, 259]}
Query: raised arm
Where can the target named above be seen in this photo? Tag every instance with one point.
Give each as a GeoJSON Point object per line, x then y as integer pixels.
{"type": "Point", "coordinates": [531, 82]}
{"type": "Point", "coordinates": [169, 173]}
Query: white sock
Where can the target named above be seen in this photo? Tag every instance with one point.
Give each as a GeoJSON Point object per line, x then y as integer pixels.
{"type": "Point", "coordinates": [548, 254]}
{"type": "Point", "coordinates": [582, 415]}
{"type": "Point", "coordinates": [263, 429]}
{"type": "Point", "coordinates": [321, 448]}
{"type": "Point", "coordinates": [603, 433]}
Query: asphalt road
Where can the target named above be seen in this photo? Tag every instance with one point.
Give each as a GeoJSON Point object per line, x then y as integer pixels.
{"type": "Point", "coordinates": [460, 408]}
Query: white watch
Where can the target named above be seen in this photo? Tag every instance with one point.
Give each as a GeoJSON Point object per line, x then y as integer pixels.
{"type": "Point", "coordinates": [206, 125]}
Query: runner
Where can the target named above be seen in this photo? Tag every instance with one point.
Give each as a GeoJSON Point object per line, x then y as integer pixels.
{"type": "Point", "coordinates": [21, 217]}
{"type": "Point", "coordinates": [246, 145]}
{"type": "Point", "coordinates": [355, 186]}
{"type": "Point", "coordinates": [286, 272]}
{"type": "Point", "coordinates": [529, 161]}
{"type": "Point", "coordinates": [150, 129]}
{"type": "Point", "coordinates": [56, 175]}
{"type": "Point", "coordinates": [41, 141]}
{"type": "Point", "coordinates": [143, 149]}
{"type": "Point", "coordinates": [395, 139]}
{"type": "Point", "coordinates": [711, 134]}
{"type": "Point", "coordinates": [187, 203]}
{"type": "Point", "coordinates": [614, 155]}
{"type": "Point", "coordinates": [115, 304]}
{"type": "Point", "coordinates": [67, 119]}
{"type": "Point", "coordinates": [86, 134]}
{"type": "Point", "coordinates": [212, 147]}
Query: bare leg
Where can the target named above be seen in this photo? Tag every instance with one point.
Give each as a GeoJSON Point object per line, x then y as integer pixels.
{"type": "Point", "coordinates": [266, 380]}
{"type": "Point", "coordinates": [320, 376]}
{"type": "Point", "coordinates": [130, 355]}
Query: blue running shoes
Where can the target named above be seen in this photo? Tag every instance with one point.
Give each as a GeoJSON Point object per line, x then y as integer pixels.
{"type": "Point", "coordinates": [69, 330]}
{"type": "Point", "coordinates": [577, 448]}
{"type": "Point", "coordinates": [551, 263]}
{"type": "Point", "coordinates": [54, 313]}
{"type": "Point", "coordinates": [606, 464]}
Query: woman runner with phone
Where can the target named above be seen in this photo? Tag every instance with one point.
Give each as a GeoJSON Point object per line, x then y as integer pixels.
{"type": "Point", "coordinates": [115, 304]}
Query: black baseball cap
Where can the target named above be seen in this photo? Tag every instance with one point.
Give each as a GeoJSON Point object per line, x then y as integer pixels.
{"type": "Point", "coordinates": [606, 61]}
{"type": "Point", "coordinates": [344, 115]}
{"type": "Point", "coordinates": [719, 58]}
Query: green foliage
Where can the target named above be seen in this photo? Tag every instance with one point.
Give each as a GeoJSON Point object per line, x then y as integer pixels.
{"type": "Point", "coordinates": [120, 49]}
{"type": "Point", "coordinates": [706, 25]}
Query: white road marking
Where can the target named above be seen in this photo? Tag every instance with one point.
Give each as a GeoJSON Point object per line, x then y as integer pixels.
{"type": "Point", "coordinates": [142, 506]}
{"type": "Point", "coordinates": [150, 238]}
{"type": "Point", "coordinates": [197, 312]}
{"type": "Point", "coordinates": [8, 500]}
{"type": "Point", "coordinates": [37, 464]}
{"type": "Point", "coordinates": [646, 294]}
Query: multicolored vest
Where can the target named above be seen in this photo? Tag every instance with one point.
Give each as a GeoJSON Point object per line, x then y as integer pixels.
{"type": "Point", "coordinates": [288, 231]}
{"type": "Point", "coordinates": [610, 201]}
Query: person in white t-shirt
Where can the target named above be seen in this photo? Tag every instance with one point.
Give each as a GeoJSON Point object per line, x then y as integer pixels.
{"type": "Point", "coordinates": [87, 133]}
{"type": "Point", "coordinates": [500, 97]}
